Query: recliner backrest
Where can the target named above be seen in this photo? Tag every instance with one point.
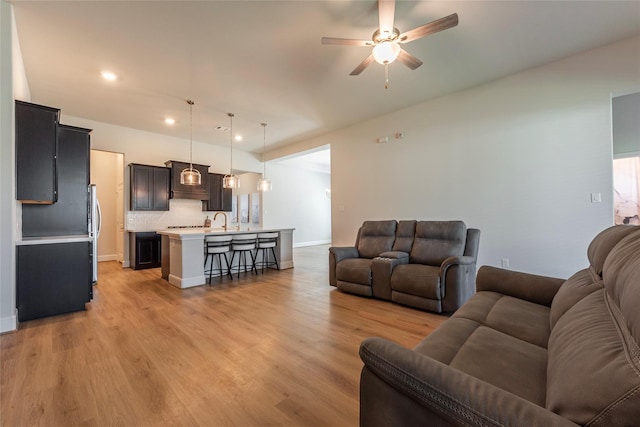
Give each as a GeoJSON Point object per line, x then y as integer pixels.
{"type": "Point", "coordinates": [436, 240]}
{"type": "Point", "coordinates": [404, 236]}
{"type": "Point", "coordinates": [375, 237]}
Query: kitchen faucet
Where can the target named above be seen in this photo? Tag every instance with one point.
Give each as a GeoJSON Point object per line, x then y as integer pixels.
{"type": "Point", "coordinates": [225, 219]}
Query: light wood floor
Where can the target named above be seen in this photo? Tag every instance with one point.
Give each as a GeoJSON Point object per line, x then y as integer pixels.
{"type": "Point", "coordinates": [276, 349]}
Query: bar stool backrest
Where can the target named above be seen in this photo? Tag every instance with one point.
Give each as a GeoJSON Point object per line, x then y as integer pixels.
{"type": "Point", "coordinates": [217, 244]}
{"type": "Point", "coordinates": [267, 240]}
{"type": "Point", "coordinates": [244, 242]}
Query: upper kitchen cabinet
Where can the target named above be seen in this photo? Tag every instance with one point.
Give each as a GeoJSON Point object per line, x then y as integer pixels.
{"type": "Point", "coordinates": [36, 153]}
{"type": "Point", "coordinates": [219, 197]}
{"type": "Point", "coordinates": [149, 187]}
{"type": "Point", "coordinates": [68, 216]}
{"type": "Point", "coordinates": [181, 191]}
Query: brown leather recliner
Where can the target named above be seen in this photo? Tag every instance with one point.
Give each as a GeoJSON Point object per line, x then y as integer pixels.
{"type": "Point", "coordinates": [350, 267]}
{"type": "Point", "coordinates": [429, 265]}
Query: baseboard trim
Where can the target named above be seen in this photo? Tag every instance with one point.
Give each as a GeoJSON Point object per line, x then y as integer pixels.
{"type": "Point", "coordinates": [8, 324]}
{"type": "Point", "coordinates": [314, 243]}
{"type": "Point", "coordinates": [112, 257]}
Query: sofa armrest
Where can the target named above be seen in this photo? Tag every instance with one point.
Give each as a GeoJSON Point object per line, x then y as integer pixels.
{"type": "Point", "coordinates": [337, 254]}
{"type": "Point", "coordinates": [403, 387]}
{"type": "Point", "coordinates": [458, 275]}
{"type": "Point", "coordinates": [381, 269]}
{"type": "Point", "coordinates": [526, 286]}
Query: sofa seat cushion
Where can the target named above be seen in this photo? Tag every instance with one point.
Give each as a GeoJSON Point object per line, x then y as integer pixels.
{"type": "Point", "coordinates": [417, 279]}
{"type": "Point", "coordinates": [497, 358]}
{"type": "Point", "coordinates": [354, 270]}
{"type": "Point", "coordinates": [512, 316]}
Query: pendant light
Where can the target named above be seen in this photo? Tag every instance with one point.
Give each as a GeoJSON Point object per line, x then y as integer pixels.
{"type": "Point", "coordinates": [264, 184]}
{"type": "Point", "coordinates": [190, 176]}
{"type": "Point", "coordinates": [231, 180]}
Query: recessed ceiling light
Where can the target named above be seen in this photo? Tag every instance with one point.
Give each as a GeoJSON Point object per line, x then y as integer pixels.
{"type": "Point", "coordinates": [238, 138]}
{"type": "Point", "coordinates": [108, 75]}
{"type": "Point", "coordinates": [170, 121]}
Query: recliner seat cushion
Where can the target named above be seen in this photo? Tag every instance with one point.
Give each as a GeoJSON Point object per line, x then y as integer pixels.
{"type": "Point", "coordinates": [417, 279]}
{"type": "Point", "coordinates": [376, 237]}
{"type": "Point", "coordinates": [437, 240]}
{"type": "Point", "coordinates": [354, 270]}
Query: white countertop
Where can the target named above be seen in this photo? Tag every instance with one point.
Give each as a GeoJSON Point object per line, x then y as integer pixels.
{"type": "Point", "coordinates": [53, 239]}
{"type": "Point", "coordinates": [217, 230]}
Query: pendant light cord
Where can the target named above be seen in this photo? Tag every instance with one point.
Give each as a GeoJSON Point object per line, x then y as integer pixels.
{"type": "Point", "coordinates": [190, 102]}
{"type": "Point", "coordinates": [231, 144]}
{"type": "Point", "coordinates": [264, 145]}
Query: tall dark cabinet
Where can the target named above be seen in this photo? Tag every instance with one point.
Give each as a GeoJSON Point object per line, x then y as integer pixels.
{"type": "Point", "coordinates": [36, 153]}
{"type": "Point", "coordinates": [219, 197]}
{"type": "Point", "coordinates": [149, 187]}
{"type": "Point", "coordinates": [54, 256]}
{"type": "Point", "coordinates": [68, 216]}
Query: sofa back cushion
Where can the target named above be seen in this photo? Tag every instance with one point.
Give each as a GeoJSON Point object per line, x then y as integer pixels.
{"type": "Point", "coordinates": [404, 236]}
{"type": "Point", "coordinates": [376, 237]}
{"type": "Point", "coordinates": [436, 240]}
{"type": "Point", "coordinates": [602, 244]}
{"type": "Point", "coordinates": [588, 280]}
{"type": "Point", "coordinates": [593, 370]}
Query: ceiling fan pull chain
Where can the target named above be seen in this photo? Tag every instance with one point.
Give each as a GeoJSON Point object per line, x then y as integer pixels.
{"type": "Point", "coordinates": [386, 76]}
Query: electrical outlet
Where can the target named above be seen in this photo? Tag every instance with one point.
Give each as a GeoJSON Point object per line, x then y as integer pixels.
{"type": "Point", "coordinates": [505, 262]}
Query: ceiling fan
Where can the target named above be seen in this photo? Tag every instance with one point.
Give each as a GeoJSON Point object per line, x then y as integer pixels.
{"type": "Point", "coordinates": [386, 40]}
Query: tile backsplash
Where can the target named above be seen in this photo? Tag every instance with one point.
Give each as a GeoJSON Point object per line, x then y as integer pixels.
{"type": "Point", "coordinates": [181, 212]}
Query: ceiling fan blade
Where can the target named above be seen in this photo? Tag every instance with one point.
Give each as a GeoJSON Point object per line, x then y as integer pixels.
{"type": "Point", "coordinates": [409, 60]}
{"type": "Point", "coordinates": [386, 12]}
{"type": "Point", "coordinates": [430, 28]}
{"type": "Point", "coordinates": [349, 42]}
{"type": "Point", "coordinates": [364, 64]}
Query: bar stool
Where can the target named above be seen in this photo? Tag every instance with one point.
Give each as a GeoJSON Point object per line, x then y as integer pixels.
{"type": "Point", "coordinates": [217, 246]}
{"type": "Point", "coordinates": [267, 241]}
{"type": "Point", "coordinates": [241, 244]}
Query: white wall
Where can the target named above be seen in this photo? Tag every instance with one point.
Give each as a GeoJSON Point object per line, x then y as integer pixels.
{"type": "Point", "coordinates": [298, 200]}
{"type": "Point", "coordinates": [517, 158]}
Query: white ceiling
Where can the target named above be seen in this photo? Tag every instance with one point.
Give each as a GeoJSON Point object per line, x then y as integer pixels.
{"type": "Point", "coordinates": [263, 60]}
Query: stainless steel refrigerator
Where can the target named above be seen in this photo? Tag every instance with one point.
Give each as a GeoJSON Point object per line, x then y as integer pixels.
{"type": "Point", "coordinates": [95, 222]}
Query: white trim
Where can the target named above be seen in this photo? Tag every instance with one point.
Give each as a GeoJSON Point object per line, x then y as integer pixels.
{"type": "Point", "coordinates": [8, 324]}
{"type": "Point", "coordinates": [112, 257]}
{"type": "Point", "coordinates": [313, 243]}
{"type": "Point", "coordinates": [188, 282]}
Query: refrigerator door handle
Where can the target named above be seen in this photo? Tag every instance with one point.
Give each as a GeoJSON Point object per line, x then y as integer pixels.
{"type": "Point", "coordinates": [99, 219]}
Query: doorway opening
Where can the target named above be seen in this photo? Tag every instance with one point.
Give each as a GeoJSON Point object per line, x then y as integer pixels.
{"type": "Point", "coordinates": [626, 158]}
{"type": "Point", "coordinates": [107, 173]}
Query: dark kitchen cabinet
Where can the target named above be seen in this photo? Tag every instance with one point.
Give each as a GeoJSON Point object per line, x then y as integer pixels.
{"type": "Point", "coordinates": [69, 215]}
{"type": "Point", "coordinates": [36, 153]}
{"type": "Point", "coordinates": [219, 197]}
{"type": "Point", "coordinates": [46, 286]}
{"type": "Point", "coordinates": [181, 191]}
{"type": "Point", "coordinates": [146, 250]}
{"type": "Point", "coordinates": [149, 187]}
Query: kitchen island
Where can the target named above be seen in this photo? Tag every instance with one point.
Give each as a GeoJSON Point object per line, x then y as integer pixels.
{"type": "Point", "coordinates": [183, 252]}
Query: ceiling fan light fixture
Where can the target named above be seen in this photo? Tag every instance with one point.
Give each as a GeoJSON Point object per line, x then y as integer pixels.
{"type": "Point", "coordinates": [386, 52]}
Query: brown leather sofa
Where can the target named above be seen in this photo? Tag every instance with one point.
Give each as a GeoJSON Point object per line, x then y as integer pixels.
{"type": "Point", "coordinates": [429, 265]}
{"type": "Point", "coordinates": [525, 350]}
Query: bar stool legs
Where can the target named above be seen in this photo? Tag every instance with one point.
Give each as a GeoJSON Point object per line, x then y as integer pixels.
{"type": "Point", "coordinates": [241, 244]}
{"type": "Point", "coordinates": [267, 241]}
{"type": "Point", "coordinates": [217, 247]}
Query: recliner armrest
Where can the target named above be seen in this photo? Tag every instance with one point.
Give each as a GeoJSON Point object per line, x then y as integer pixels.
{"type": "Point", "coordinates": [526, 286]}
{"type": "Point", "coordinates": [439, 391]}
{"type": "Point", "coordinates": [344, 252]}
